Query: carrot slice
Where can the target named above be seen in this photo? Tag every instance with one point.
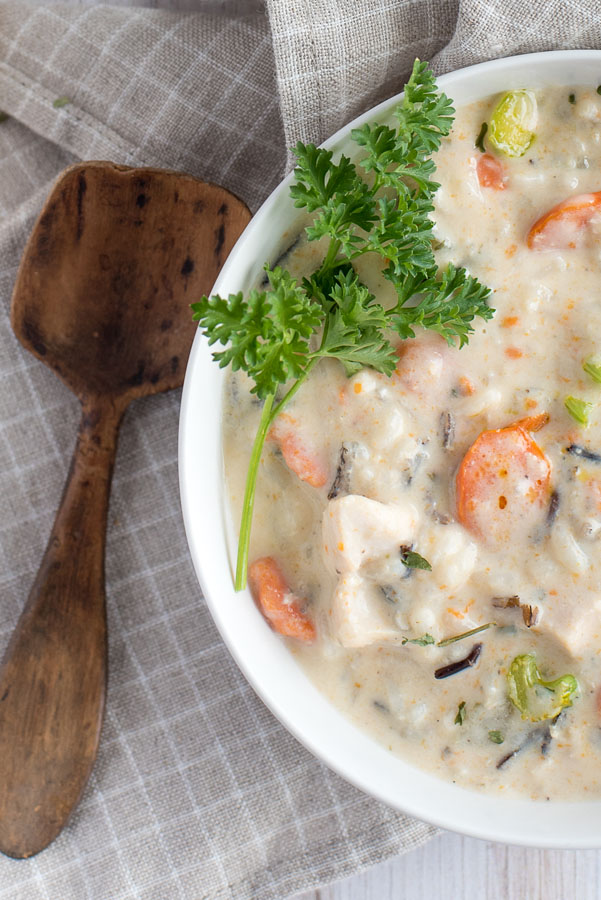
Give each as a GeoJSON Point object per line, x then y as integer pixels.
{"type": "Point", "coordinates": [299, 457]}
{"type": "Point", "coordinates": [503, 483]}
{"type": "Point", "coordinates": [491, 172]}
{"type": "Point", "coordinates": [563, 225]}
{"type": "Point", "coordinates": [277, 603]}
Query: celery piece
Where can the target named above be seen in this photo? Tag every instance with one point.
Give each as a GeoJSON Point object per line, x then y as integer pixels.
{"type": "Point", "coordinates": [578, 409]}
{"type": "Point", "coordinates": [592, 367]}
{"type": "Point", "coordinates": [534, 698]}
{"type": "Point", "coordinates": [512, 124]}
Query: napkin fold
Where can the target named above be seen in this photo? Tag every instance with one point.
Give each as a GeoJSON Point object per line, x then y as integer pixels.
{"type": "Point", "coordinates": [337, 58]}
{"type": "Point", "coordinates": [197, 791]}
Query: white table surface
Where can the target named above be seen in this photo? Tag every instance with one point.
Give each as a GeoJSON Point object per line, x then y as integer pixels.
{"type": "Point", "coordinates": [451, 867]}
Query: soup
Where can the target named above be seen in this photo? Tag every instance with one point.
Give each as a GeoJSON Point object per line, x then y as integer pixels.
{"type": "Point", "coordinates": [436, 533]}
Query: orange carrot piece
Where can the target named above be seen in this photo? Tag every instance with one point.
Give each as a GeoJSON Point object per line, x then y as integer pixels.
{"type": "Point", "coordinates": [513, 352]}
{"type": "Point", "coordinates": [279, 606]}
{"type": "Point", "coordinates": [491, 173]}
{"type": "Point", "coordinates": [299, 457]}
{"type": "Point", "coordinates": [561, 226]}
{"type": "Point", "coordinates": [533, 423]}
{"type": "Point", "coordinates": [466, 387]}
{"type": "Point", "coordinates": [503, 480]}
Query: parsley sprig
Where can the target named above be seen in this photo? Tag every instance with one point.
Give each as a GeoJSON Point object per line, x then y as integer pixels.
{"type": "Point", "coordinates": [382, 205]}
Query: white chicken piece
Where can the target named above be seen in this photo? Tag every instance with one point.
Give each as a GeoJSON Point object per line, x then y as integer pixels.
{"type": "Point", "coordinates": [574, 630]}
{"type": "Point", "coordinates": [573, 621]}
{"type": "Point", "coordinates": [357, 530]}
{"type": "Point", "coordinates": [357, 614]}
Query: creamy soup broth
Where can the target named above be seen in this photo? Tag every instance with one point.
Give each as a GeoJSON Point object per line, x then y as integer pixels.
{"type": "Point", "coordinates": [391, 448]}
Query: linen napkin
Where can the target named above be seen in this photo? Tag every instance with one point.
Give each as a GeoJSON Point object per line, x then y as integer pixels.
{"type": "Point", "coordinates": [198, 792]}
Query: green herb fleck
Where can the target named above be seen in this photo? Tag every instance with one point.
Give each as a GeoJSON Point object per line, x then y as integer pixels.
{"type": "Point", "coordinates": [572, 98]}
{"type": "Point", "coordinates": [599, 89]}
{"type": "Point", "coordinates": [61, 101]}
{"type": "Point", "coordinates": [461, 714]}
{"type": "Point", "coordinates": [578, 409]}
{"type": "Point", "coordinates": [479, 142]}
{"type": "Point", "coordinates": [278, 336]}
{"type": "Point", "coordinates": [413, 560]}
{"type": "Point", "coordinates": [422, 641]}
{"type": "Point", "coordinates": [3, 116]}
{"type": "Point", "coordinates": [534, 698]}
{"type": "Point", "coordinates": [465, 634]}
{"type": "Point", "coordinates": [592, 367]}
{"type": "Point", "coordinates": [496, 737]}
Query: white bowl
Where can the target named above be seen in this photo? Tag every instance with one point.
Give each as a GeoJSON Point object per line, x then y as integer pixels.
{"type": "Point", "coordinates": [260, 654]}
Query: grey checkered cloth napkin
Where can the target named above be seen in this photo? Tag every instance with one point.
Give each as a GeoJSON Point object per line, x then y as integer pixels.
{"type": "Point", "coordinates": [197, 792]}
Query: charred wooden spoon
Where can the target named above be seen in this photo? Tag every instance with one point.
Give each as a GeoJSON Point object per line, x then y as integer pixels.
{"type": "Point", "coordinates": [102, 297]}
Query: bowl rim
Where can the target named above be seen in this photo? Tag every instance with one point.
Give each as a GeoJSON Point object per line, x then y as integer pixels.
{"type": "Point", "coordinates": [325, 731]}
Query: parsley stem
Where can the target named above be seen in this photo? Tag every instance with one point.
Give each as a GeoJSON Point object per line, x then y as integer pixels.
{"type": "Point", "coordinates": [249, 494]}
{"type": "Point", "coordinates": [268, 416]}
{"type": "Point", "coordinates": [330, 256]}
{"type": "Point", "coordinates": [290, 394]}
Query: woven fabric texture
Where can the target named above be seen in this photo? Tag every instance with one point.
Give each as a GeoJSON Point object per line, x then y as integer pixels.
{"type": "Point", "coordinates": [334, 60]}
{"type": "Point", "coordinates": [198, 792]}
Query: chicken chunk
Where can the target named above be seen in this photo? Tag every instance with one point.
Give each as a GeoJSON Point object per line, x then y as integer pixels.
{"type": "Point", "coordinates": [357, 530]}
{"type": "Point", "coordinates": [574, 626]}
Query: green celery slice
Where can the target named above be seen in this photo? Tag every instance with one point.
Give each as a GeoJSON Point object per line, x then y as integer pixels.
{"type": "Point", "coordinates": [512, 124]}
{"type": "Point", "coordinates": [534, 698]}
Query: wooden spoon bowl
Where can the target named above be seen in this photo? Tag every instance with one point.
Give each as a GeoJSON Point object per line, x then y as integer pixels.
{"type": "Point", "coordinates": [102, 297]}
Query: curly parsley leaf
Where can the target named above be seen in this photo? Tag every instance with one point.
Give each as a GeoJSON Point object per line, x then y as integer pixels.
{"type": "Point", "coordinates": [318, 179]}
{"type": "Point", "coordinates": [354, 328]}
{"type": "Point", "coordinates": [267, 334]}
{"type": "Point", "coordinates": [446, 303]}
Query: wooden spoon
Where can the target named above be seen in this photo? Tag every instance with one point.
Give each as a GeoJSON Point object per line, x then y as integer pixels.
{"type": "Point", "coordinates": [102, 297]}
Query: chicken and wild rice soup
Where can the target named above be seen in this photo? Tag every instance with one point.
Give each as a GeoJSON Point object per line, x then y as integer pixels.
{"type": "Point", "coordinates": [429, 541]}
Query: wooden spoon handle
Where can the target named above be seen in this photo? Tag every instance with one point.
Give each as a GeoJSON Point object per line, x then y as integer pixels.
{"type": "Point", "coordinates": [53, 674]}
